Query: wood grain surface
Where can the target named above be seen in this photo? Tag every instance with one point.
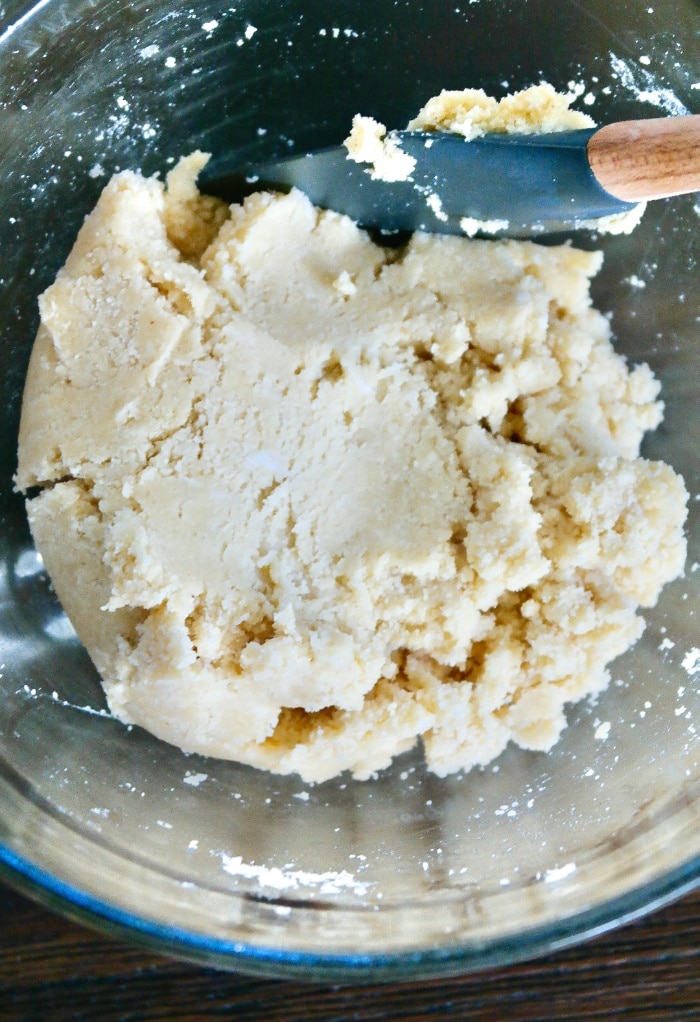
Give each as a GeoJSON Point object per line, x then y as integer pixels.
{"type": "Point", "coordinates": [55, 970]}
{"type": "Point", "coordinates": [649, 159]}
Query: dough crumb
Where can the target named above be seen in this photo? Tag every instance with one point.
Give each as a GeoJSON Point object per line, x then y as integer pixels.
{"type": "Point", "coordinates": [538, 109]}
{"type": "Point", "coordinates": [368, 143]}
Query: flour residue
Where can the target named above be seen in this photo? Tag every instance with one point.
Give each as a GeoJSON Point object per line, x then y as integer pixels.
{"type": "Point", "coordinates": [602, 730]}
{"type": "Point", "coordinates": [287, 878]}
{"type": "Point", "coordinates": [552, 876]}
{"type": "Point", "coordinates": [33, 693]}
{"type": "Point", "coordinates": [691, 661]}
{"type": "Point", "coordinates": [193, 779]}
{"type": "Point", "coordinates": [645, 87]}
{"type": "Point", "coordinates": [434, 201]}
{"type": "Point", "coordinates": [335, 33]}
{"type": "Point", "coordinates": [471, 226]}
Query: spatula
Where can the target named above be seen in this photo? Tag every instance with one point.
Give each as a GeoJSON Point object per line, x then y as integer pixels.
{"type": "Point", "coordinates": [527, 183]}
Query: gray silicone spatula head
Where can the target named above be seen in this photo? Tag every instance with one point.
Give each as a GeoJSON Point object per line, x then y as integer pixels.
{"type": "Point", "coordinates": [517, 184]}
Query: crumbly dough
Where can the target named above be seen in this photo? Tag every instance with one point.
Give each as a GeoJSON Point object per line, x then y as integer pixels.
{"type": "Point", "coordinates": [306, 499]}
{"type": "Point", "coordinates": [368, 143]}
{"type": "Point", "coordinates": [539, 109]}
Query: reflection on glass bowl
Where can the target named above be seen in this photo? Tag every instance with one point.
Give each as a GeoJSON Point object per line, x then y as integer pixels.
{"type": "Point", "coordinates": [407, 875]}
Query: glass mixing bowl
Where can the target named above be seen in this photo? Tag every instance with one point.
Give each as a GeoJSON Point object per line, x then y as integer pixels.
{"type": "Point", "coordinates": [407, 875]}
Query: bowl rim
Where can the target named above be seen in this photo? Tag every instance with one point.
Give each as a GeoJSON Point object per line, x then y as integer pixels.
{"type": "Point", "coordinates": [236, 955]}
{"type": "Point", "coordinates": [463, 956]}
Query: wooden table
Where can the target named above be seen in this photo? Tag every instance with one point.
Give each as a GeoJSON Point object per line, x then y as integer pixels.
{"type": "Point", "coordinates": [51, 969]}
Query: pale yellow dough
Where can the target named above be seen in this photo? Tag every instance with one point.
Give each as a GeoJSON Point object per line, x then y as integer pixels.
{"type": "Point", "coordinates": [539, 109]}
{"type": "Point", "coordinates": [306, 499]}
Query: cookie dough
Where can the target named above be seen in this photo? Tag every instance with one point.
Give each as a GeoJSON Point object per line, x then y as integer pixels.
{"type": "Point", "coordinates": [539, 109]}
{"type": "Point", "coordinates": [307, 500]}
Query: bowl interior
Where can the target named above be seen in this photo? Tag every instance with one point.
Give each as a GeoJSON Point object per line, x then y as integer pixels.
{"type": "Point", "coordinates": [246, 869]}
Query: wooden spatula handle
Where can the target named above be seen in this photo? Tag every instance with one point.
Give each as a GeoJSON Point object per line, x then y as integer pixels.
{"type": "Point", "coordinates": [649, 159]}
